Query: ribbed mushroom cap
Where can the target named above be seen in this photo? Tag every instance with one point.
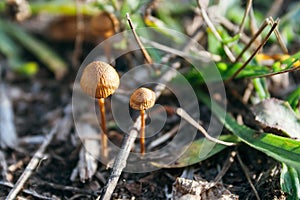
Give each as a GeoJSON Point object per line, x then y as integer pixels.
{"type": "Point", "coordinates": [142, 99]}
{"type": "Point", "coordinates": [99, 80]}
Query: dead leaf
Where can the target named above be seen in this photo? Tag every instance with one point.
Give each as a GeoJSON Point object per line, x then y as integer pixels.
{"type": "Point", "coordinates": [201, 190]}
{"type": "Point", "coordinates": [278, 117]}
{"type": "Point", "coordinates": [8, 136]}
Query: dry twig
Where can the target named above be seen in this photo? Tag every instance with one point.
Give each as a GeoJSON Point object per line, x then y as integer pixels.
{"type": "Point", "coordinates": [226, 166]}
{"type": "Point", "coordinates": [145, 53]}
{"type": "Point", "coordinates": [190, 120]}
{"type": "Point", "coordinates": [32, 165]}
{"type": "Point", "coordinates": [255, 52]}
{"type": "Point", "coordinates": [278, 37]}
{"type": "Point", "coordinates": [246, 172]}
{"type": "Point", "coordinates": [247, 10]}
{"type": "Point", "coordinates": [26, 191]}
{"type": "Point", "coordinates": [214, 31]}
{"type": "Point", "coordinates": [261, 28]}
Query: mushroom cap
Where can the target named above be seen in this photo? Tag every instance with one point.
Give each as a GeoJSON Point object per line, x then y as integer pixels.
{"type": "Point", "coordinates": [99, 80]}
{"type": "Point", "coordinates": [142, 99]}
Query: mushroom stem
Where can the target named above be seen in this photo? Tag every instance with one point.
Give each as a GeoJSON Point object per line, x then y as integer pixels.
{"type": "Point", "coordinates": [142, 137]}
{"type": "Point", "coordinates": [104, 150]}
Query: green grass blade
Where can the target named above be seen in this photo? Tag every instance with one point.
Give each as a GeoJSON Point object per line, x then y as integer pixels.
{"type": "Point", "coordinates": [193, 154]}
{"type": "Point", "coordinates": [12, 51]}
{"type": "Point", "coordinates": [280, 148]}
{"type": "Point", "coordinates": [38, 48]}
{"type": "Point", "coordinates": [294, 99]}
{"type": "Point", "coordinates": [289, 182]}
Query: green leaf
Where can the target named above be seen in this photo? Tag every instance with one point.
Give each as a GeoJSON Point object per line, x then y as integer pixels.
{"type": "Point", "coordinates": [280, 148]}
{"type": "Point", "coordinates": [192, 154]}
{"type": "Point", "coordinates": [284, 121]}
{"type": "Point", "coordinates": [260, 87]}
{"type": "Point", "coordinates": [289, 182]}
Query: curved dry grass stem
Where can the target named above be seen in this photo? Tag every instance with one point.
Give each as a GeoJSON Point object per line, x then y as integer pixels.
{"type": "Point", "coordinates": [183, 114]}
{"type": "Point", "coordinates": [215, 32]}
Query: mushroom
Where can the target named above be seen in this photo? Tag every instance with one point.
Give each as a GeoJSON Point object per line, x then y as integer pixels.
{"type": "Point", "coordinates": [142, 99]}
{"type": "Point", "coordinates": [99, 80]}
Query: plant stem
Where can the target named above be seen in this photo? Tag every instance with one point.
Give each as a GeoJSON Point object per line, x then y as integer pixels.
{"type": "Point", "coordinates": [104, 151]}
{"type": "Point", "coordinates": [262, 27]}
{"type": "Point", "coordinates": [145, 53]}
{"type": "Point", "coordinates": [142, 136]}
{"type": "Point", "coordinates": [254, 53]}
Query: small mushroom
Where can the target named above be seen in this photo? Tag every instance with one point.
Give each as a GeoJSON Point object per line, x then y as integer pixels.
{"type": "Point", "coordinates": [142, 99]}
{"type": "Point", "coordinates": [99, 80]}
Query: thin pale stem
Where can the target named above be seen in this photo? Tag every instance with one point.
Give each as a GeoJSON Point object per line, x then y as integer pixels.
{"type": "Point", "coordinates": [241, 28]}
{"type": "Point", "coordinates": [104, 151]}
{"type": "Point", "coordinates": [182, 113]}
{"type": "Point", "coordinates": [254, 53]}
{"type": "Point", "coordinates": [279, 38]}
{"type": "Point", "coordinates": [215, 32]}
{"type": "Point", "coordinates": [261, 28]}
{"type": "Point", "coordinates": [142, 136]}
{"type": "Point", "coordinates": [145, 53]}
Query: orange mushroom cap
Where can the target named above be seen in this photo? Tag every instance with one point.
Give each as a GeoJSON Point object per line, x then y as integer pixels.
{"type": "Point", "coordinates": [99, 80]}
{"type": "Point", "coordinates": [142, 99]}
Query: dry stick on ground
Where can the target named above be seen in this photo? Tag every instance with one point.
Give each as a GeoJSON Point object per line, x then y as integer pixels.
{"type": "Point", "coordinates": [246, 171]}
{"type": "Point", "coordinates": [226, 166]}
{"type": "Point", "coordinates": [32, 165]}
{"type": "Point", "coordinates": [214, 31]}
{"type": "Point", "coordinates": [72, 189]}
{"type": "Point", "coordinates": [248, 7]}
{"type": "Point", "coordinates": [255, 52]}
{"type": "Point", "coordinates": [183, 114]}
{"type": "Point", "coordinates": [145, 53]}
{"type": "Point", "coordinates": [26, 191]}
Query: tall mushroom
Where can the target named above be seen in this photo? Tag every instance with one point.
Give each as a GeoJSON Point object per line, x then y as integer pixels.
{"type": "Point", "coordinates": [142, 99]}
{"type": "Point", "coordinates": [99, 80]}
